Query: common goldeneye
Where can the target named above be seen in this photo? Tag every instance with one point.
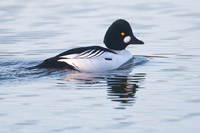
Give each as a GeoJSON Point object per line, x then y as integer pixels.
{"type": "Point", "coordinates": [95, 58]}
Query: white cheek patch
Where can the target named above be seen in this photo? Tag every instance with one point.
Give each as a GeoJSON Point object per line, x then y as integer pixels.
{"type": "Point", "coordinates": [127, 39]}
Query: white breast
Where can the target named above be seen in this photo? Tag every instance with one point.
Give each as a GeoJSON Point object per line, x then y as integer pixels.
{"type": "Point", "coordinates": [106, 61]}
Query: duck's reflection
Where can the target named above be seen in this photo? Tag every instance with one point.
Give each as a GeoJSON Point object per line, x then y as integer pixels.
{"type": "Point", "coordinates": [120, 88]}
{"type": "Point", "coordinates": [123, 88]}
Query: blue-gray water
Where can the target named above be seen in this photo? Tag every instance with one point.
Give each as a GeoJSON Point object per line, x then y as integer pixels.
{"type": "Point", "coordinates": [161, 95]}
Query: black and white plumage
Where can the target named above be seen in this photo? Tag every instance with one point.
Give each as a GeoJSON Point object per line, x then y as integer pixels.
{"type": "Point", "coordinates": [96, 58]}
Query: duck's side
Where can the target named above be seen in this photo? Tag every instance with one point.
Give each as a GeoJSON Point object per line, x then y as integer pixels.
{"type": "Point", "coordinates": [88, 59]}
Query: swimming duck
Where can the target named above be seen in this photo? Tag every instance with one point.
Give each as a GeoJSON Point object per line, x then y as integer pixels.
{"type": "Point", "coordinates": [96, 58]}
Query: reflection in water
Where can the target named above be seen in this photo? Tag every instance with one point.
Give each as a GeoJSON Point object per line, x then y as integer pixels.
{"type": "Point", "coordinates": [120, 88]}
{"type": "Point", "coordinates": [123, 88]}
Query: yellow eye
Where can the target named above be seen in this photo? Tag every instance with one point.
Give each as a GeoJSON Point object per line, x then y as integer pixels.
{"type": "Point", "coordinates": [122, 33]}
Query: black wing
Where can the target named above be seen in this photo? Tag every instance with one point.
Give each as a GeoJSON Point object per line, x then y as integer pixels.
{"type": "Point", "coordinates": [92, 50]}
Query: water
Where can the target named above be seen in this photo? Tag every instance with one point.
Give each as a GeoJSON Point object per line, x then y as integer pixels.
{"type": "Point", "coordinates": [161, 95]}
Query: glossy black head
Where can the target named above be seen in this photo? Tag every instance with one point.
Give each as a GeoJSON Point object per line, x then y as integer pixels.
{"type": "Point", "coordinates": [119, 35]}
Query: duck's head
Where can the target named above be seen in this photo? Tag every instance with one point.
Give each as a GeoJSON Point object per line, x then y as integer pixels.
{"type": "Point", "coordinates": [119, 35]}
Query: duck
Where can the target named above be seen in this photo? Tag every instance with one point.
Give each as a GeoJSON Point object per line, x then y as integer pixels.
{"type": "Point", "coordinates": [96, 58]}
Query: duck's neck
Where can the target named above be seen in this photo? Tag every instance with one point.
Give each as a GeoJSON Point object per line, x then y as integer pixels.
{"type": "Point", "coordinates": [120, 51]}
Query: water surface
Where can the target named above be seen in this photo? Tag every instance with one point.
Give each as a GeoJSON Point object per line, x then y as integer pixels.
{"type": "Point", "coordinates": [158, 92]}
